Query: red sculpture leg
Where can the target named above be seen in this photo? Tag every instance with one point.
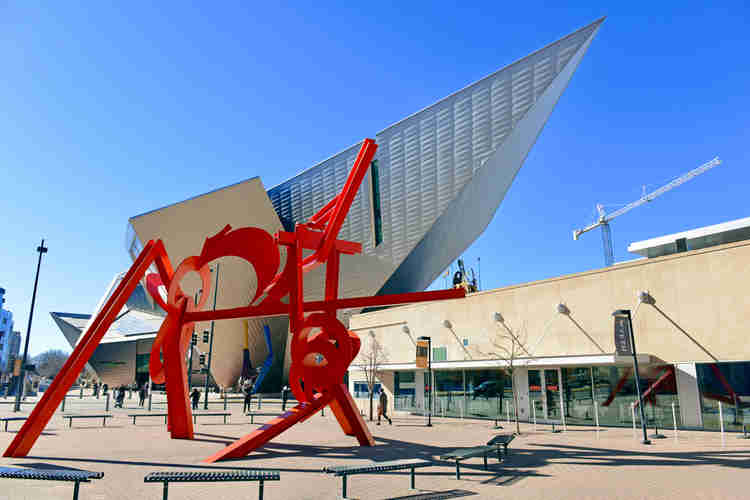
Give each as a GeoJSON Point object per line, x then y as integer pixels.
{"type": "Point", "coordinates": [265, 433]}
{"type": "Point", "coordinates": [53, 396]}
{"type": "Point", "coordinates": [175, 377]}
{"type": "Point", "coordinates": [344, 403]}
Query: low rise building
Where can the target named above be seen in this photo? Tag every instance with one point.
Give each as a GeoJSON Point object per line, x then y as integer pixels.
{"type": "Point", "coordinates": [690, 311]}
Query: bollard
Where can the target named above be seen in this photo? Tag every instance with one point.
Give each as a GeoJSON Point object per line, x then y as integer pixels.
{"type": "Point", "coordinates": [225, 400]}
{"type": "Point", "coordinates": [632, 409]}
{"type": "Point", "coordinates": [533, 412]}
{"type": "Point", "coordinates": [674, 421]}
{"type": "Point", "coordinates": [106, 408]}
{"type": "Point", "coordinates": [721, 423]}
{"type": "Point", "coordinates": [63, 403]}
{"type": "Point", "coordinates": [596, 416]}
{"type": "Point", "coordinates": [562, 415]}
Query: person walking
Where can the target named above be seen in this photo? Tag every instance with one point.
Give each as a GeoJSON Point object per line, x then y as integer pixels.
{"type": "Point", "coordinates": [141, 395]}
{"type": "Point", "coordinates": [120, 397]}
{"type": "Point", "coordinates": [247, 390]}
{"type": "Point", "coordinates": [383, 407]}
{"type": "Point", "coordinates": [196, 397]}
{"type": "Point", "coordinates": [284, 397]}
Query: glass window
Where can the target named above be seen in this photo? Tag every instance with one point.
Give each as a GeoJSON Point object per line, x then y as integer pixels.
{"type": "Point", "coordinates": [484, 393]}
{"type": "Point", "coordinates": [439, 353]}
{"type": "Point", "coordinates": [376, 211]}
{"type": "Point", "coordinates": [361, 390]}
{"type": "Point", "coordinates": [579, 405]}
{"type": "Point", "coordinates": [728, 384]}
{"type": "Point", "coordinates": [405, 393]}
{"type": "Point", "coordinates": [449, 393]}
{"type": "Point", "coordinates": [614, 392]}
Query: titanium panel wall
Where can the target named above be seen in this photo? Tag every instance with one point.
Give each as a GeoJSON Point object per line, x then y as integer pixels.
{"type": "Point", "coordinates": [426, 159]}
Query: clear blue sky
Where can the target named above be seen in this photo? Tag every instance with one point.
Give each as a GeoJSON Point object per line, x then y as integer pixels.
{"type": "Point", "coordinates": [111, 111]}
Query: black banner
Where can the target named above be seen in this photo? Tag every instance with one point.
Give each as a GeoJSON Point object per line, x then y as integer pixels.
{"type": "Point", "coordinates": [623, 347]}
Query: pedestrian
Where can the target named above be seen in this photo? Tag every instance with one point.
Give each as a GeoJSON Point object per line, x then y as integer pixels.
{"type": "Point", "coordinates": [195, 396]}
{"type": "Point", "coordinates": [105, 389]}
{"type": "Point", "coordinates": [247, 390]}
{"type": "Point", "coordinates": [284, 397]}
{"type": "Point", "coordinates": [141, 395]}
{"type": "Point", "coordinates": [120, 397]}
{"type": "Point", "coordinates": [383, 407]}
{"type": "Point", "coordinates": [95, 389]}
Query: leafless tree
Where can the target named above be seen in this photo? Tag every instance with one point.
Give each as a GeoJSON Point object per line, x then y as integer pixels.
{"type": "Point", "coordinates": [509, 345]}
{"type": "Point", "coordinates": [371, 357]}
{"type": "Point", "coordinates": [50, 362]}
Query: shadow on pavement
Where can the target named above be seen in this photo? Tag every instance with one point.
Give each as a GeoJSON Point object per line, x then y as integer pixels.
{"type": "Point", "coordinates": [436, 495]}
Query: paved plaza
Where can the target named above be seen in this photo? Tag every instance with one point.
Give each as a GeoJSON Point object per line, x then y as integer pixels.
{"type": "Point", "coordinates": [574, 464]}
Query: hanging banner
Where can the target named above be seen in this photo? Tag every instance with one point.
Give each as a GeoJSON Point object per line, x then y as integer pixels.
{"type": "Point", "coordinates": [17, 367]}
{"type": "Point", "coordinates": [623, 347]}
{"type": "Point", "coordinates": [423, 353]}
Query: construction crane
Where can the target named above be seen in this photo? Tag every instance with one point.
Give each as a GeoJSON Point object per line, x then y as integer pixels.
{"type": "Point", "coordinates": [605, 218]}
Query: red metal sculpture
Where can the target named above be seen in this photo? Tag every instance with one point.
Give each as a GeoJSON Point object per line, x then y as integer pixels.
{"type": "Point", "coordinates": [321, 347]}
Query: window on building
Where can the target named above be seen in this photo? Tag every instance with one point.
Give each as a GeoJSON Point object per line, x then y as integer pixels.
{"type": "Point", "coordinates": [376, 211]}
{"type": "Point", "coordinates": [439, 353]}
{"type": "Point", "coordinates": [728, 384]}
{"type": "Point", "coordinates": [361, 390]}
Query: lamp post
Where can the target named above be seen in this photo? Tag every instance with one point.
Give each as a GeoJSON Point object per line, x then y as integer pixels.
{"type": "Point", "coordinates": [623, 318]}
{"type": "Point", "coordinates": [211, 339]}
{"type": "Point", "coordinates": [193, 342]}
{"type": "Point", "coordinates": [429, 378]}
{"type": "Point", "coordinates": [17, 407]}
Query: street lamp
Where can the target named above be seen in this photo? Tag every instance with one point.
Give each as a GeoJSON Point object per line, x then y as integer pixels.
{"type": "Point", "coordinates": [429, 377]}
{"type": "Point", "coordinates": [211, 338]}
{"type": "Point", "coordinates": [623, 319]}
{"type": "Point", "coordinates": [17, 407]}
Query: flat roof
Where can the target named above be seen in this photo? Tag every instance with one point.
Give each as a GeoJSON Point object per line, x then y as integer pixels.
{"type": "Point", "coordinates": [702, 237]}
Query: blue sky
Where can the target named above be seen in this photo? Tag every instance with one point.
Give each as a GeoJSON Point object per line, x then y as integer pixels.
{"type": "Point", "coordinates": [111, 111]}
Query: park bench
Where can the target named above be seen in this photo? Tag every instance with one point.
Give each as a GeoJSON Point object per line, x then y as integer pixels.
{"type": "Point", "coordinates": [8, 419]}
{"type": "Point", "coordinates": [210, 477]}
{"type": "Point", "coordinates": [76, 476]}
{"type": "Point", "coordinates": [254, 414]}
{"type": "Point", "coordinates": [224, 414]}
{"type": "Point", "coordinates": [136, 415]}
{"type": "Point", "coordinates": [493, 447]}
{"type": "Point", "coordinates": [347, 470]}
{"type": "Point", "coordinates": [103, 416]}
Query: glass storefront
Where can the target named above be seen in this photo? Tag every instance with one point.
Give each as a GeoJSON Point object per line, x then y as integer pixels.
{"type": "Point", "coordinates": [405, 398]}
{"type": "Point", "coordinates": [728, 384]}
{"type": "Point", "coordinates": [580, 393]}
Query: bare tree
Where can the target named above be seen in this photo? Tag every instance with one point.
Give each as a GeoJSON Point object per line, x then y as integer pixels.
{"type": "Point", "coordinates": [372, 356]}
{"type": "Point", "coordinates": [509, 345]}
{"type": "Point", "coordinates": [50, 362]}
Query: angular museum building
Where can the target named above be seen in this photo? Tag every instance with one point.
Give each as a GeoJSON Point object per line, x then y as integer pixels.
{"type": "Point", "coordinates": [437, 180]}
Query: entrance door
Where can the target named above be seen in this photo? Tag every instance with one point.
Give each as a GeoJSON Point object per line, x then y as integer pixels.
{"type": "Point", "coordinates": [544, 394]}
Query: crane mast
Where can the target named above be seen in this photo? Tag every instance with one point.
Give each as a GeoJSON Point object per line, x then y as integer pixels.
{"type": "Point", "coordinates": [604, 218]}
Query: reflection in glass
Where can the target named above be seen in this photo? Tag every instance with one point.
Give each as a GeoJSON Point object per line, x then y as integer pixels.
{"type": "Point", "coordinates": [449, 393]}
{"type": "Point", "coordinates": [552, 390]}
{"type": "Point", "coordinates": [728, 383]}
{"type": "Point", "coordinates": [579, 405]}
{"type": "Point", "coordinates": [405, 391]}
{"type": "Point", "coordinates": [535, 395]}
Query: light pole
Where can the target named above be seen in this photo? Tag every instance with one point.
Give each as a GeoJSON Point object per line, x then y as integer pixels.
{"type": "Point", "coordinates": [211, 338]}
{"type": "Point", "coordinates": [17, 407]}
{"type": "Point", "coordinates": [429, 378]}
{"type": "Point", "coordinates": [193, 341]}
{"type": "Point", "coordinates": [623, 317]}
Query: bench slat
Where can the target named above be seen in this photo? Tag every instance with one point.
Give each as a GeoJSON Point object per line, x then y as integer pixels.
{"type": "Point", "coordinates": [50, 474]}
{"type": "Point", "coordinates": [224, 476]}
{"type": "Point", "coordinates": [463, 453]}
{"type": "Point", "coordinates": [376, 467]}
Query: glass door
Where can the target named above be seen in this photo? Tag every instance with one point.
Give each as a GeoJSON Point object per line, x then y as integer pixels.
{"type": "Point", "coordinates": [535, 396]}
{"type": "Point", "coordinates": [552, 394]}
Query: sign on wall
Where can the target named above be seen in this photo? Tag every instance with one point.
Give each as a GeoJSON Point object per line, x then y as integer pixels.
{"type": "Point", "coordinates": [623, 347]}
{"type": "Point", "coordinates": [423, 353]}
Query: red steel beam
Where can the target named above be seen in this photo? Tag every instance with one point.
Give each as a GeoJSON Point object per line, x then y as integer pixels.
{"type": "Point", "coordinates": [53, 396]}
{"type": "Point", "coordinates": [618, 387]}
{"type": "Point", "coordinates": [669, 371]}
{"type": "Point", "coordinates": [322, 305]}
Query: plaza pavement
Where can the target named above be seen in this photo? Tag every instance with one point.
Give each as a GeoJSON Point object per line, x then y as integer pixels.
{"type": "Point", "coordinates": [576, 464]}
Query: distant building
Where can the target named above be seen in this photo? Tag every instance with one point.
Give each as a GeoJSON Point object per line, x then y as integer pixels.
{"type": "Point", "coordinates": [10, 340]}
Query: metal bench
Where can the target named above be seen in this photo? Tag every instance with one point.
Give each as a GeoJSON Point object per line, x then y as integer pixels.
{"type": "Point", "coordinates": [76, 476]}
{"type": "Point", "coordinates": [136, 415]}
{"type": "Point", "coordinates": [208, 477]}
{"type": "Point", "coordinates": [347, 470]}
{"type": "Point", "coordinates": [253, 414]}
{"type": "Point", "coordinates": [8, 419]}
{"type": "Point", "coordinates": [224, 414]}
{"type": "Point", "coordinates": [492, 447]}
{"type": "Point", "coordinates": [103, 416]}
